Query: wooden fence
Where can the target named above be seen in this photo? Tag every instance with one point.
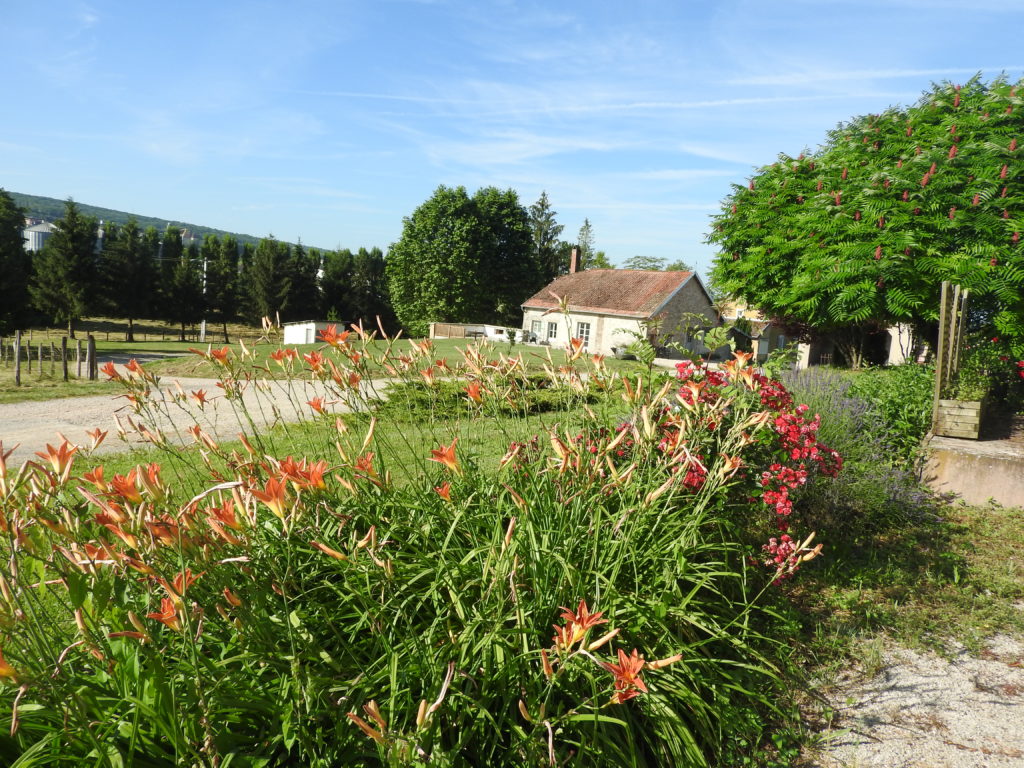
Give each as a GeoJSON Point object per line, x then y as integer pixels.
{"type": "Point", "coordinates": [952, 418]}
{"type": "Point", "coordinates": [17, 349]}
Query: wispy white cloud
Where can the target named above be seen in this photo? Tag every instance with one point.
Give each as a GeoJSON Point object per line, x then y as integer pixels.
{"type": "Point", "coordinates": [680, 174]}
{"type": "Point", "coordinates": [818, 75]}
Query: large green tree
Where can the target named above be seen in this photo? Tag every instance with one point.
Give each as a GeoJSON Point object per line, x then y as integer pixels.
{"type": "Point", "coordinates": [15, 264]}
{"type": "Point", "coordinates": [220, 259]}
{"type": "Point", "coordinates": [128, 273]}
{"type": "Point", "coordinates": [65, 281]}
{"type": "Point", "coordinates": [184, 292]}
{"type": "Point", "coordinates": [545, 231]}
{"type": "Point", "coordinates": [585, 244]}
{"type": "Point", "coordinates": [268, 279]}
{"type": "Point", "coordinates": [507, 269]}
{"type": "Point", "coordinates": [462, 259]}
{"type": "Point", "coordinates": [859, 234]}
{"type": "Point", "coordinates": [302, 301]}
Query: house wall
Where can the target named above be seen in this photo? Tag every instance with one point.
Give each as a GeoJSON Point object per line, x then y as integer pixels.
{"type": "Point", "coordinates": [606, 331]}
{"type": "Point", "coordinates": [688, 300]}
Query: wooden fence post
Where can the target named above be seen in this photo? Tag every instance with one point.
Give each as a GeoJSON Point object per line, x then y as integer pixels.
{"type": "Point", "coordinates": [78, 358]}
{"type": "Point", "coordinates": [90, 358]}
{"type": "Point", "coordinates": [64, 355]}
{"type": "Point", "coordinates": [39, 358]}
{"type": "Point", "coordinates": [17, 358]}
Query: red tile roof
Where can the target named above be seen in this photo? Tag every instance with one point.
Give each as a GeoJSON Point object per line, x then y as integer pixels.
{"type": "Point", "coordinates": [627, 292]}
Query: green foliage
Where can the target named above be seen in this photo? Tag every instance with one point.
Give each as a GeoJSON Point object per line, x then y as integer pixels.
{"type": "Point", "coordinates": [902, 398]}
{"type": "Point", "coordinates": [302, 301]}
{"type": "Point", "coordinates": [462, 259]}
{"type": "Point", "coordinates": [65, 270]}
{"type": "Point", "coordinates": [652, 263]}
{"type": "Point", "coordinates": [585, 244]}
{"type": "Point", "coordinates": [223, 288]}
{"type": "Point", "coordinates": [545, 230]}
{"type": "Point", "coordinates": [860, 234]}
{"type": "Point", "coordinates": [268, 279]}
{"type": "Point", "coordinates": [184, 290]}
{"type": "Point", "coordinates": [129, 273]}
{"type": "Point", "coordinates": [600, 261]}
{"type": "Point", "coordinates": [15, 264]}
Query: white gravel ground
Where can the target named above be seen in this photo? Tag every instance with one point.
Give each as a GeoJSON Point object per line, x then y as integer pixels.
{"type": "Point", "coordinates": [31, 425]}
{"type": "Point", "coordinates": [924, 711]}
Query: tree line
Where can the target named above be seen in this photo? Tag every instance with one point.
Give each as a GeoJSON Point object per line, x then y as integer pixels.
{"type": "Point", "coordinates": [130, 272]}
{"type": "Point", "coordinates": [460, 258]}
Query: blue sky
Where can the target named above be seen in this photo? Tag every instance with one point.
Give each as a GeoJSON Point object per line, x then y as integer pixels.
{"type": "Point", "coordinates": [330, 121]}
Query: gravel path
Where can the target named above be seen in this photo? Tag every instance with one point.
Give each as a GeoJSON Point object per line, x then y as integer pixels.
{"type": "Point", "coordinates": [924, 711]}
{"type": "Point", "coordinates": [31, 425]}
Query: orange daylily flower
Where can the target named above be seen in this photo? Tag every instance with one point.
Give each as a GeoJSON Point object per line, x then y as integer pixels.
{"type": "Point", "coordinates": [317, 404]}
{"type": "Point", "coordinates": [331, 336]}
{"type": "Point", "coordinates": [108, 370]}
{"type": "Point", "coordinates": [445, 454]}
{"type": "Point", "coordinates": [577, 624]}
{"type": "Point", "coordinates": [6, 670]}
{"type": "Point", "coordinates": [97, 436]}
{"type": "Point", "coordinates": [626, 674]}
{"type": "Point", "coordinates": [96, 478]}
{"type": "Point", "coordinates": [233, 600]}
{"type": "Point", "coordinates": [473, 392]}
{"type": "Point", "coordinates": [125, 486]}
{"type": "Point", "coordinates": [273, 496]}
{"type": "Point", "coordinates": [199, 395]}
{"type": "Point", "coordinates": [60, 458]}
{"type": "Point", "coordinates": [315, 361]}
{"type": "Point", "coordinates": [575, 348]}
{"type": "Point", "coordinates": [167, 614]}
{"type": "Point", "coordinates": [444, 491]}
{"type": "Point", "coordinates": [428, 376]}
{"type": "Point", "coordinates": [220, 356]}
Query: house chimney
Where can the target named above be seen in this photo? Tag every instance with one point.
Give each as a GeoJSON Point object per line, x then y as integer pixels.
{"type": "Point", "coordinates": [574, 260]}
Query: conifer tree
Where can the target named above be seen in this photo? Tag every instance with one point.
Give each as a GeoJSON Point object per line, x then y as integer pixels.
{"type": "Point", "coordinates": [65, 281]}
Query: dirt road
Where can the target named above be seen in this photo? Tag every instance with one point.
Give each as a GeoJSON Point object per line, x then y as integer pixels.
{"type": "Point", "coordinates": [31, 425]}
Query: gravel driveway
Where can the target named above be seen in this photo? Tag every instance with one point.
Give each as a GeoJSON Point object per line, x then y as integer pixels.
{"type": "Point", "coordinates": [31, 425]}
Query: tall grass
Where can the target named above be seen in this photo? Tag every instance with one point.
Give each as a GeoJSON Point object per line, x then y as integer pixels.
{"type": "Point", "coordinates": [588, 598]}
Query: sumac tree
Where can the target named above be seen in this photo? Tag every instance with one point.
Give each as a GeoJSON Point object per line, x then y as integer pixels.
{"type": "Point", "coordinates": [859, 234]}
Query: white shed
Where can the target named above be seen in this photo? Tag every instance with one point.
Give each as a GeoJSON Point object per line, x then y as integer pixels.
{"type": "Point", "coordinates": [304, 332]}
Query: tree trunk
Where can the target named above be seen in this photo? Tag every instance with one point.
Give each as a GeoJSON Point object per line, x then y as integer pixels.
{"type": "Point", "coordinates": [181, 337]}
{"type": "Point", "coordinates": [130, 336]}
{"type": "Point", "coordinates": [71, 328]}
{"type": "Point", "coordinates": [226, 339]}
{"type": "Point", "coordinates": [851, 345]}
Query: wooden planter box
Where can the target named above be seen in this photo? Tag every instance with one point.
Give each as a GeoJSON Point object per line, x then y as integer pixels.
{"type": "Point", "coordinates": [959, 418]}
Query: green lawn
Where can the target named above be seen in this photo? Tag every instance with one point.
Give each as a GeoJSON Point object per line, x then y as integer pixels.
{"type": "Point", "coordinates": [46, 387]}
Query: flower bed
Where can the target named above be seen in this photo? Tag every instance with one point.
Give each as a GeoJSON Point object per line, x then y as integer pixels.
{"type": "Point", "coordinates": [594, 599]}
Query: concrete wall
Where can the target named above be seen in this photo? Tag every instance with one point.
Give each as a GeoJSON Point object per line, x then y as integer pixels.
{"type": "Point", "coordinates": [976, 470]}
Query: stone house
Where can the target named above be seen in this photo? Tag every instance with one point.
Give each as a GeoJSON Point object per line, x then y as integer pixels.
{"type": "Point", "coordinates": [606, 305]}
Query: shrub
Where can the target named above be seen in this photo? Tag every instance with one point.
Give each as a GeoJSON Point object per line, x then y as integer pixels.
{"type": "Point", "coordinates": [878, 486]}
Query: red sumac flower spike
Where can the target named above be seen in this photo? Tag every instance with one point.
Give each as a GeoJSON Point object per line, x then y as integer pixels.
{"type": "Point", "coordinates": [975, 200]}
{"type": "Point", "coordinates": [952, 152]}
{"type": "Point", "coordinates": [952, 213]}
{"type": "Point", "coordinates": [1013, 145]}
{"type": "Point", "coordinates": [1002, 172]}
{"type": "Point", "coordinates": [878, 253]}
{"type": "Point", "coordinates": [906, 195]}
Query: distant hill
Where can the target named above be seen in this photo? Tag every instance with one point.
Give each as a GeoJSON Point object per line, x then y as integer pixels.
{"type": "Point", "coordinates": [51, 209]}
